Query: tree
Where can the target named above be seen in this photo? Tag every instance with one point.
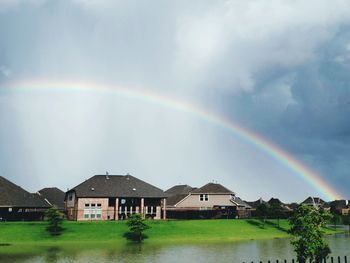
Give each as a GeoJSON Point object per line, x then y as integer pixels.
{"type": "Point", "coordinates": [54, 219]}
{"type": "Point", "coordinates": [276, 210]}
{"type": "Point", "coordinates": [346, 220]}
{"type": "Point", "coordinates": [336, 218]}
{"type": "Point", "coordinates": [262, 212]}
{"type": "Point", "coordinates": [136, 226]}
{"type": "Point", "coordinates": [306, 227]}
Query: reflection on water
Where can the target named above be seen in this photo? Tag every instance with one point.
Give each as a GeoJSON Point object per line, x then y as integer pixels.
{"type": "Point", "coordinates": [248, 251]}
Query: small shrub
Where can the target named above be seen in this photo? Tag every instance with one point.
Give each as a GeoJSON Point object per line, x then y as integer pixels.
{"type": "Point", "coordinates": [54, 219]}
{"type": "Point", "coordinates": [136, 226]}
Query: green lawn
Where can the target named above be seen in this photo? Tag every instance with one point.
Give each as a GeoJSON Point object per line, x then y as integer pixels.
{"type": "Point", "coordinates": [172, 231]}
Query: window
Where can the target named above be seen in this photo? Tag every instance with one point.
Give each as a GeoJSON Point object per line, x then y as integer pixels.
{"type": "Point", "coordinates": [204, 197]}
{"type": "Point", "coordinates": [87, 211]}
{"type": "Point", "coordinates": [70, 197]}
{"type": "Point", "coordinates": [98, 211]}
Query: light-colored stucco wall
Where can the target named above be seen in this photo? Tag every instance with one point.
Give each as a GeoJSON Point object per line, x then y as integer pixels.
{"type": "Point", "coordinates": [214, 200]}
{"type": "Point", "coordinates": [70, 203]}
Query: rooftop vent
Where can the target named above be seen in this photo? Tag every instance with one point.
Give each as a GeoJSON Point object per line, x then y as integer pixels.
{"type": "Point", "coordinates": [134, 189]}
{"type": "Point", "coordinates": [92, 189]}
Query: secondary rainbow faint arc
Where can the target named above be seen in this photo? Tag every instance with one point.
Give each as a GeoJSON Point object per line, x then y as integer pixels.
{"type": "Point", "coordinates": [296, 166]}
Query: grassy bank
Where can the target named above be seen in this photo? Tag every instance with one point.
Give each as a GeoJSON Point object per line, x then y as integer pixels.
{"type": "Point", "coordinates": [189, 231]}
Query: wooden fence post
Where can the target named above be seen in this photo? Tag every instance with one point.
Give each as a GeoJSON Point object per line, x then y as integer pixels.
{"type": "Point", "coordinates": [345, 259]}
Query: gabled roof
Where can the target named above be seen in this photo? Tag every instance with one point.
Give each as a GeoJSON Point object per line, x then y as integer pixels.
{"type": "Point", "coordinates": [174, 199]}
{"type": "Point", "coordinates": [212, 188]}
{"type": "Point", "coordinates": [255, 204]}
{"type": "Point", "coordinates": [275, 201]}
{"type": "Point", "coordinates": [117, 186]}
{"type": "Point", "coordinates": [313, 201]}
{"type": "Point", "coordinates": [239, 202]}
{"type": "Point", "coordinates": [11, 195]}
{"type": "Point", "coordinates": [177, 193]}
{"type": "Point", "coordinates": [339, 204]}
{"type": "Point", "coordinates": [54, 196]}
{"type": "Point", "coordinates": [180, 190]}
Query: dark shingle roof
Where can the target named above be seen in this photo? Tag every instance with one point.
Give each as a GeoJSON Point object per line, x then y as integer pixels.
{"type": "Point", "coordinates": [183, 189]}
{"type": "Point", "coordinates": [313, 200]}
{"type": "Point", "coordinates": [275, 201]}
{"type": "Point", "coordinates": [255, 204]}
{"type": "Point", "coordinates": [212, 188]}
{"type": "Point", "coordinates": [177, 193]}
{"type": "Point", "coordinates": [239, 202]}
{"type": "Point", "coordinates": [174, 199]}
{"type": "Point", "coordinates": [54, 196]}
{"type": "Point", "coordinates": [12, 195]}
{"type": "Point", "coordinates": [117, 186]}
{"type": "Point", "coordinates": [338, 204]}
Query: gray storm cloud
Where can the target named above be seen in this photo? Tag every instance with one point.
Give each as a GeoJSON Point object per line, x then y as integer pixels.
{"type": "Point", "coordinates": [276, 67]}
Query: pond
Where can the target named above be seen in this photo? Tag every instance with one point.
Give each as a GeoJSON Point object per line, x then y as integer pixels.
{"type": "Point", "coordinates": [247, 251]}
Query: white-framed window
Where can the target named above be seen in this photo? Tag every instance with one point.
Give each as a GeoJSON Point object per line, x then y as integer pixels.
{"type": "Point", "coordinates": [92, 211]}
{"type": "Point", "coordinates": [204, 197]}
{"type": "Point", "coordinates": [87, 211]}
{"type": "Point", "coordinates": [98, 211]}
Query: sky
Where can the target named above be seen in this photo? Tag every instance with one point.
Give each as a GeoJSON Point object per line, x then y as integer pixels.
{"type": "Point", "coordinates": [277, 68]}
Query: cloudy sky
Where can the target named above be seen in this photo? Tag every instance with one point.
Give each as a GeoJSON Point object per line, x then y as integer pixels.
{"type": "Point", "coordinates": [279, 68]}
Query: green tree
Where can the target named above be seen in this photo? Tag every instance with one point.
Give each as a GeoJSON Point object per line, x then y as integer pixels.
{"type": "Point", "coordinates": [54, 219]}
{"type": "Point", "coordinates": [306, 227]}
{"type": "Point", "coordinates": [336, 219]}
{"type": "Point", "coordinates": [262, 211]}
{"type": "Point", "coordinates": [346, 220]}
{"type": "Point", "coordinates": [276, 210]}
{"type": "Point", "coordinates": [136, 226]}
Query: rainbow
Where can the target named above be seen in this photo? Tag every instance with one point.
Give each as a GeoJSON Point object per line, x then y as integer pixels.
{"type": "Point", "coordinates": [254, 139]}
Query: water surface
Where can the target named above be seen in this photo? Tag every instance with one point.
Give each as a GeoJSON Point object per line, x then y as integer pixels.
{"type": "Point", "coordinates": [253, 250]}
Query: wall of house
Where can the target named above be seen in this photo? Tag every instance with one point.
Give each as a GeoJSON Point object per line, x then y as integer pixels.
{"type": "Point", "coordinates": [214, 200]}
{"type": "Point", "coordinates": [81, 206]}
{"type": "Point", "coordinates": [70, 203]}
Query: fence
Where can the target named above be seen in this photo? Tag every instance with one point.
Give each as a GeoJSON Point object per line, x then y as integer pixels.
{"type": "Point", "coordinates": [326, 260]}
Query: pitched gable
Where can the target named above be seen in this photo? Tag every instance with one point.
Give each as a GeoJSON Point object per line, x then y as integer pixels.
{"type": "Point", "coordinates": [117, 186]}
{"type": "Point", "coordinates": [12, 195]}
{"type": "Point", "coordinates": [212, 188]}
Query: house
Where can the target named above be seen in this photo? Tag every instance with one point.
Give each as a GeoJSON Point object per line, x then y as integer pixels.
{"type": "Point", "coordinates": [54, 196]}
{"type": "Point", "coordinates": [315, 202]}
{"type": "Point", "coordinates": [277, 202]}
{"type": "Point", "coordinates": [255, 204]}
{"type": "Point", "coordinates": [16, 204]}
{"type": "Point", "coordinates": [341, 207]}
{"type": "Point", "coordinates": [209, 201]}
{"type": "Point", "coordinates": [114, 197]}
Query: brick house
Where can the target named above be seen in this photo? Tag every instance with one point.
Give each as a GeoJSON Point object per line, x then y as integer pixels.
{"type": "Point", "coordinates": [209, 201]}
{"type": "Point", "coordinates": [114, 197]}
